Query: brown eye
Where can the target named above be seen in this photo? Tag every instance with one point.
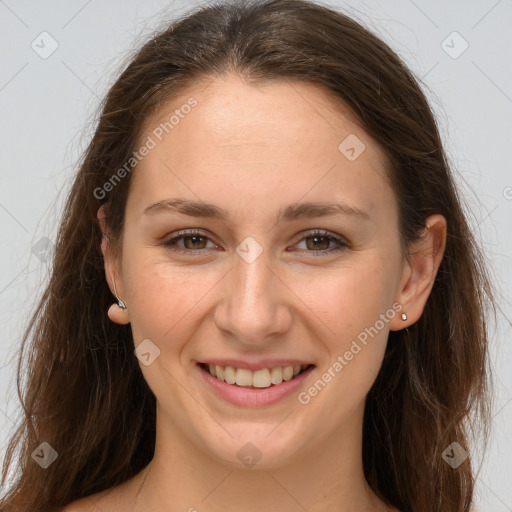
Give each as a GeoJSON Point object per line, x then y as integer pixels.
{"type": "Point", "coordinates": [193, 242]}
{"type": "Point", "coordinates": [318, 242]}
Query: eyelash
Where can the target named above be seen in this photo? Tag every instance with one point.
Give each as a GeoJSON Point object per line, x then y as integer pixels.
{"type": "Point", "coordinates": [341, 243]}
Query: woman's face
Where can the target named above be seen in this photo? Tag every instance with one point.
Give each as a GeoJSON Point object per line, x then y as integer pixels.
{"type": "Point", "coordinates": [259, 288]}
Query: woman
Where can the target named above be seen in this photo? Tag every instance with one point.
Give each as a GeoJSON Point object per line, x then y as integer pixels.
{"type": "Point", "coordinates": [265, 294]}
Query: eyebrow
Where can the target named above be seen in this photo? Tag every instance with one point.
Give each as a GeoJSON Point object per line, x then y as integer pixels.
{"type": "Point", "coordinates": [290, 213]}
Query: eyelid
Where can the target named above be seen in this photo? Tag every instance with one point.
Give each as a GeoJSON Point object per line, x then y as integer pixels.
{"type": "Point", "coordinates": [183, 233]}
{"type": "Point", "coordinates": [342, 242]}
{"type": "Point", "coordinates": [322, 232]}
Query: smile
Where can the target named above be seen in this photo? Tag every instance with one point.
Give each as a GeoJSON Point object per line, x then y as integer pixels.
{"type": "Point", "coordinates": [263, 378]}
{"type": "Point", "coordinates": [261, 387]}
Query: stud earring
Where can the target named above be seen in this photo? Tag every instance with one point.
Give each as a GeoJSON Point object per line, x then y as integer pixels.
{"type": "Point", "coordinates": [404, 317]}
{"type": "Point", "coordinates": [120, 303]}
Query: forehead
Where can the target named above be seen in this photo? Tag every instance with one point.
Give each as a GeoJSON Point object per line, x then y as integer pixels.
{"type": "Point", "coordinates": [224, 140]}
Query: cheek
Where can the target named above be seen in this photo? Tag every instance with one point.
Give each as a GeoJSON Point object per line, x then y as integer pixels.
{"type": "Point", "coordinates": [350, 298]}
{"type": "Point", "coordinates": [163, 299]}
{"type": "Point", "coordinates": [354, 307]}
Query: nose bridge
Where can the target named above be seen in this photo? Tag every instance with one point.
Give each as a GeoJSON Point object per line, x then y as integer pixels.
{"type": "Point", "coordinates": [254, 306]}
{"type": "Point", "coordinates": [253, 283]}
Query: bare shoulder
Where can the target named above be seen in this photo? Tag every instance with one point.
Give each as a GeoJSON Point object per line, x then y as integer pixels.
{"type": "Point", "coordinates": [115, 499]}
{"type": "Point", "coordinates": [86, 504]}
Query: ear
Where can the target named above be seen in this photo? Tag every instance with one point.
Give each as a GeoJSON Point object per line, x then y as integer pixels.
{"type": "Point", "coordinates": [420, 271]}
{"type": "Point", "coordinates": [112, 271]}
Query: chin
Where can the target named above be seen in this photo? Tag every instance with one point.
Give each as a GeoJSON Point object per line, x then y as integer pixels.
{"type": "Point", "coordinates": [256, 446]}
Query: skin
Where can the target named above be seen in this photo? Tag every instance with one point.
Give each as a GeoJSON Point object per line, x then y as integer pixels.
{"type": "Point", "coordinates": [252, 150]}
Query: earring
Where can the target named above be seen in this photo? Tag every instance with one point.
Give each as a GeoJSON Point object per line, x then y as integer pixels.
{"type": "Point", "coordinates": [120, 303]}
{"type": "Point", "coordinates": [404, 317]}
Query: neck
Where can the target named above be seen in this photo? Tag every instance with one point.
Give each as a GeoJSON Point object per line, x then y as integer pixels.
{"type": "Point", "coordinates": [327, 477]}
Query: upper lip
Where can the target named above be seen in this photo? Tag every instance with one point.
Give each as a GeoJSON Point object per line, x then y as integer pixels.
{"type": "Point", "coordinates": [254, 366]}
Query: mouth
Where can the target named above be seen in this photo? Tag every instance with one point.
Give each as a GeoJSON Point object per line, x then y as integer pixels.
{"type": "Point", "coordinates": [260, 379]}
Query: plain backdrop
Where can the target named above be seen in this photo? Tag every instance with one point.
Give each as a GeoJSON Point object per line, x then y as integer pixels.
{"type": "Point", "coordinates": [59, 58]}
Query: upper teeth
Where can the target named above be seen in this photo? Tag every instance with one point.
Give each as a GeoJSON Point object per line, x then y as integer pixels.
{"type": "Point", "coordinates": [260, 378]}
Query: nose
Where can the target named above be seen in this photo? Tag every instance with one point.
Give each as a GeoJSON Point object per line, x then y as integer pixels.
{"type": "Point", "coordinates": [254, 307]}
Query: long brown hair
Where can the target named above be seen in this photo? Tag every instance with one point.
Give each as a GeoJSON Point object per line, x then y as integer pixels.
{"type": "Point", "coordinates": [80, 384]}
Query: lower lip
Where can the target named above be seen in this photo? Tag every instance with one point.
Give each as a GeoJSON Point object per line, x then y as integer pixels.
{"type": "Point", "coordinates": [250, 397]}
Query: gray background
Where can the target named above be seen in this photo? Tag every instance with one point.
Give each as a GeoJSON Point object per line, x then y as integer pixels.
{"type": "Point", "coordinates": [48, 107]}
